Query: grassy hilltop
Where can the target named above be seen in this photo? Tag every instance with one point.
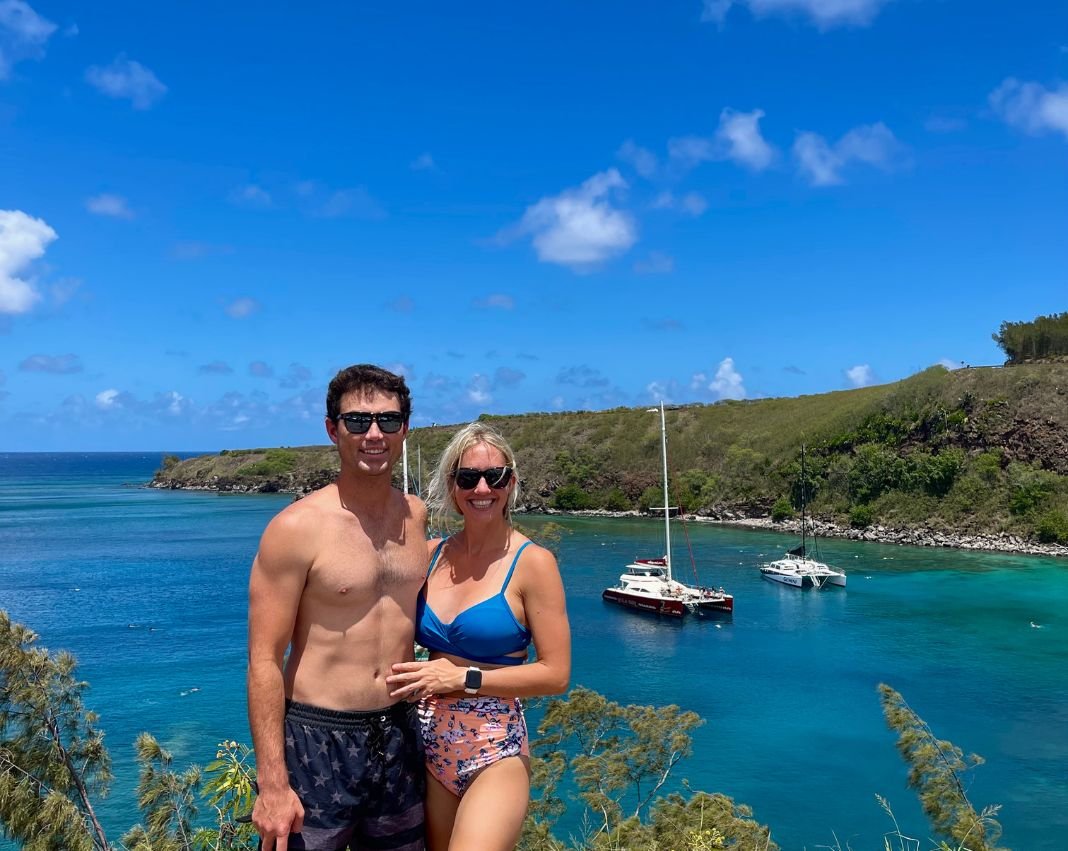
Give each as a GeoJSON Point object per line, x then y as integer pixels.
{"type": "Point", "coordinates": [981, 450]}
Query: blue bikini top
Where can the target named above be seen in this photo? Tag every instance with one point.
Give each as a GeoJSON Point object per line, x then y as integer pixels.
{"type": "Point", "coordinates": [484, 632]}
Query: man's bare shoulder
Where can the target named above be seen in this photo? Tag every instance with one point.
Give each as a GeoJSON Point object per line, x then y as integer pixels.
{"type": "Point", "coordinates": [294, 527]}
{"type": "Point", "coordinates": [416, 507]}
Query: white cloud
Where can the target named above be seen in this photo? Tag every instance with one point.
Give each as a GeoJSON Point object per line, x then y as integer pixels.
{"type": "Point", "coordinates": [715, 11]}
{"type": "Point", "coordinates": [580, 227]}
{"type": "Point", "coordinates": [1031, 107]}
{"type": "Point", "coordinates": [106, 399]}
{"type": "Point", "coordinates": [126, 79]}
{"type": "Point", "coordinates": [497, 301]}
{"type": "Point", "coordinates": [54, 364]}
{"type": "Point", "coordinates": [737, 138]}
{"type": "Point", "coordinates": [728, 383]}
{"type": "Point", "coordinates": [260, 369]}
{"type": "Point", "coordinates": [106, 204]}
{"type": "Point", "coordinates": [242, 307]}
{"type": "Point", "coordinates": [825, 14]}
{"type": "Point", "coordinates": [689, 151]}
{"type": "Point", "coordinates": [356, 202]}
{"type": "Point", "coordinates": [22, 240]}
{"type": "Point", "coordinates": [423, 162]}
{"type": "Point", "coordinates": [861, 375]}
{"type": "Point", "coordinates": [478, 390]}
{"type": "Point", "coordinates": [692, 203]}
{"type": "Point", "coordinates": [642, 159]}
{"type": "Point", "coordinates": [822, 164]}
{"type": "Point", "coordinates": [662, 391]}
{"type": "Point", "coordinates": [23, 34]}
{"type": "Point", "coordinates": [251, 195]}
{"type": "Point", "coordinates": [298, 376]}
{"type": "Point", "coordinates": [657, 263]}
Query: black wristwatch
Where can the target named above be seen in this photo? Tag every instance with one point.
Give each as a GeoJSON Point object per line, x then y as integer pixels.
{"type": "Point", "coordinates": [473, 680]}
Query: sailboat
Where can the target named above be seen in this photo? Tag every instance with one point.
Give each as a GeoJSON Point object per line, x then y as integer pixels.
{"type": "Point", "coordinates": [648, 584]}
{"type": "Point", "coordinates": [795, 568]}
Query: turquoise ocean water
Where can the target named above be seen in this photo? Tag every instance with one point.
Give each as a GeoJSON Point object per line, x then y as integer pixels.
{"type": "Point", "coordinates": [147, 588]}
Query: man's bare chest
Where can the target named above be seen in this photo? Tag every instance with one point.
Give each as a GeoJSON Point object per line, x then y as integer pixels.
{"type": "Point", "coordinates": [349, 568]}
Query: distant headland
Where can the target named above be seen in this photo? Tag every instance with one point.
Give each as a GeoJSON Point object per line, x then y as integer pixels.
{"type": "Point", "coordinates": [972, 457]}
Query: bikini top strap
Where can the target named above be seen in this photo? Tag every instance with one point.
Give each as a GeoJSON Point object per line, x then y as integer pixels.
{"type": "Point", "coordinates": [434, 560]}
{"type": "Point", "coordinates": [515, 561]}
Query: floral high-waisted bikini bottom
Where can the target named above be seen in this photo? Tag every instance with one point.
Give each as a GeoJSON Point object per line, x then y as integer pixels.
{"type": "Point", "coordinates": [461, 736]}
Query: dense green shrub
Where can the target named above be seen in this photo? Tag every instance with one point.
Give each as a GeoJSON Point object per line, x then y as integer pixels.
{"type": "Point", "coordinates": [277, 462]}
{"type": "Point", "coordinates": [651, 496]}
{"type": "Point", "coordinates": [861, 516]}
{"type": "Point", "coordinates": [782, 510]}
{"type": "Point", "coordinates": [1029, 488]}
{"type": "Point", "coordinates": [572, 498]}
{"type": "Point", "coordinates": [987, 465]}
{"type": "Point", "coordinates": [935, 474]}
{"type": "Point", "coordinates": [615, 500]}
{"type": "Point", "coordinates": [1052, 528]}
{"type": "Point", "coordinates": [875, 470]}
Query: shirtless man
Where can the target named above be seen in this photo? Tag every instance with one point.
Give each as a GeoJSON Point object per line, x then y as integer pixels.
{"type": "Point", "coordinates": [335, 581]}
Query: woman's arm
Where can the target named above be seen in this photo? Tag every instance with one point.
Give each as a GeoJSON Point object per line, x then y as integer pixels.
{"type": "Point", "coordinates": [542, 593]}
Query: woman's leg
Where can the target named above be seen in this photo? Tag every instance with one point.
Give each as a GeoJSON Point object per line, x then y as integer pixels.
{"type": "Point", "coordinates": [441, 807]}
{"type": "Point", "coordinates": [491, 812]}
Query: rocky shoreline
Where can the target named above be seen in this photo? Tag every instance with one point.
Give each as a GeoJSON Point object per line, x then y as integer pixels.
{"type": "Point", "coordinates": [921, 537]}
{"type": "Point", "coordinates": [1000, 543]}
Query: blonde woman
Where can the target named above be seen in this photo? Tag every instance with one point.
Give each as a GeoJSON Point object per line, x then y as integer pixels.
{"type": "Point", "coordinates": [490, 593]}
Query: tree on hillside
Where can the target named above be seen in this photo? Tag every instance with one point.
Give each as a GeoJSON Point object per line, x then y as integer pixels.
{"type": "Point", "coordinates": [1041, 338]}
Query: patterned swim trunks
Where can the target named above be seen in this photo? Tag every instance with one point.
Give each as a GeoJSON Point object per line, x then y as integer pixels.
{"type": "Point", "coordinates": [461, 736]}
{"type": "Point", "coordinates": [359, 775]}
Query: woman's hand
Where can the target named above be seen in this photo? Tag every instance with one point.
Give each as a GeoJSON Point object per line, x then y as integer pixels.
{"type": "Point", "coordinates": [415, 680]}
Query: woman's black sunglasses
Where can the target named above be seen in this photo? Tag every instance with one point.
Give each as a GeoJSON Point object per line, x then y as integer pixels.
{"type": "Point", "coordinates": [358, 422]}
{"type": "Point", "coordinates": [467, 478]}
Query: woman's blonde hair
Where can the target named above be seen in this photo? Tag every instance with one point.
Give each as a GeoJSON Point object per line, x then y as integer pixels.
{"type": "Point", "coordinates": [439, 499]}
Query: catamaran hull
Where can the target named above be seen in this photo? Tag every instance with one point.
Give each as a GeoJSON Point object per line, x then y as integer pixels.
{"type": "Point", "coordinates": [716, 606]}
{"type": "Point", "coordinates": [643, 603]}
{"type": "Point", "coordinates": [793, 580]}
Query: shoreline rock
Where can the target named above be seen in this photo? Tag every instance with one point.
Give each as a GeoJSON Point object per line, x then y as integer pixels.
{"type": "Point", "coordinates": [1001, 542]}
{"type": "Point", "coordinates": [919, 537]}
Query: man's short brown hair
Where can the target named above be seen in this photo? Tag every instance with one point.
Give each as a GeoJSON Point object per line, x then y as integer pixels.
{"type": "Point", "coordinates": [365, 379]}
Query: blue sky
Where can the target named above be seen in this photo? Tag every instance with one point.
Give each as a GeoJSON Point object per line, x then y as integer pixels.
{"type": "Point", "coordinates": [206, 210]}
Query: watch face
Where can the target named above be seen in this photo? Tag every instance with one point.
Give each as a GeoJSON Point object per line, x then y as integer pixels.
{"type": "Point", "coordinates": [473, 679]}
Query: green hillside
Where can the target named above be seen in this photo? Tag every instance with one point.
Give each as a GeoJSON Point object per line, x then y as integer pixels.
{"type": "Point", "coordinates": [980, 450]}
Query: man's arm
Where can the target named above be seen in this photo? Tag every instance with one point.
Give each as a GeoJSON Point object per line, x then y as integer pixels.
{"type": "Point", "coordinates": [277, 581]}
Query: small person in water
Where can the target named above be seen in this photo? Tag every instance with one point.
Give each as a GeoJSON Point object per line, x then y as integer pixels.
{"type": "Point", "coordinates": [490, 593]}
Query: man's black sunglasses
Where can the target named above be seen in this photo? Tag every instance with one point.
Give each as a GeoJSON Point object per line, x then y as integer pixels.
{"type": "Point", "coordinates": [358, 422]}
{"type": "Point", "coordinates": [468, 478]}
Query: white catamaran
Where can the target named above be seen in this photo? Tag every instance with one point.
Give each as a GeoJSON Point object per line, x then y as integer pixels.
{"type": "Point", "coordinates": [795, 568]}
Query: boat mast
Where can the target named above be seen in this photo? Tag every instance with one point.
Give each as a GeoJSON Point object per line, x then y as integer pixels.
{"type": "Point", "coordinates": [419, 469]}
{"type": "Point", "coordinates": [404, 455]}
{"type": "Point", "coordinates": [804, 552]}
{"type": "Point", "coordinates": [667, 512]}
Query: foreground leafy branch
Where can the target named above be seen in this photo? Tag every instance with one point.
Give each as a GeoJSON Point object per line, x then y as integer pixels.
{"type": "Point", "coordinates": [619, 759]}
{"type": "Point", "coordinates": [935, 769]}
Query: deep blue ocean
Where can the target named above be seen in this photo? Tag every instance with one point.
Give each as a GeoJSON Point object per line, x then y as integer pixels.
{"type": "Point", "coordinates": [147, 589]}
